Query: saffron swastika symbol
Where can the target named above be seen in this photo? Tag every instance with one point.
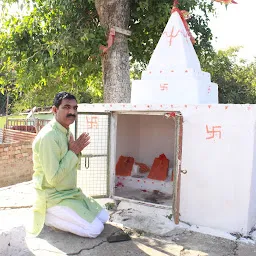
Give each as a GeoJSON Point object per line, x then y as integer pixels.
{"type": "Point", "coordinates": [164, 87]}
{"type": "Point", "coordinates": [92, 122]}
{"type": "Point", "coordinates": [214, 132]}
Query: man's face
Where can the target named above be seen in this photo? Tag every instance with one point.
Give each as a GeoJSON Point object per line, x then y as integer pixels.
{"type": "Point", "coordinates": [66, 113]}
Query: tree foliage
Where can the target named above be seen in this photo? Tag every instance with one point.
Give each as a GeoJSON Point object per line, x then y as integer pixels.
{"type": "Point", "coordinates": [52, 48]}
{"type": "Point", "coordinates": [2, 104]}
{"type": "Point", "coordinates": [236, 78]}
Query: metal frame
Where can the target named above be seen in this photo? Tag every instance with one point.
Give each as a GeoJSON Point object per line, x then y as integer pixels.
{"type": "Point", "coordinates": [108, 148]}
{"type": "Point", "coordinates": [177, 165]}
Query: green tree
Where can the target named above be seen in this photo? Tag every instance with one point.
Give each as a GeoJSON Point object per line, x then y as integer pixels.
{"type": "Point", "coordinates": [236, 78]}
{"type": "Point", "coordinates": [55, 45]}
{"type": "Point", "coordinates": [51, 52]}
{"type": "Point", "coordinates": [2, 104]}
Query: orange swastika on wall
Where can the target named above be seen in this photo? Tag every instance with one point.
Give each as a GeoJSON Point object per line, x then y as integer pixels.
{"type": "Point", "coordinates": [214, 132]}
{"type": "Point", "coordinates": [164, 87]}
{"type": "Point", "coordinates": [92, 122]}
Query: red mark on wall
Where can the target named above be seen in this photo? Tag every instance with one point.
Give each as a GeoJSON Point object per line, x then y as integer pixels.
{"type": "Point", "coordinates": [213, 132]}
{"type": "Point", "coordinates": [110, 41]}
{"type": "Point", "coordinates": [173, 35]}
{"type": "Point", "coordinates": [164, 87]}
{"type": "Point", "coordinates": [92, 122]}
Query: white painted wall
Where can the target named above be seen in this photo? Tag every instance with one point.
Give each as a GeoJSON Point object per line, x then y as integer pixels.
{"type": "Point", "coordinates": [157, 136]}
{"type": "Point", "coordinates": [174, 91]}
{"type": "Point", "coordinates": [217, 188]}
{"type": "Point", "coordinates": [127, 131]}
{"type": "Point", "coordinates": [252, 208]}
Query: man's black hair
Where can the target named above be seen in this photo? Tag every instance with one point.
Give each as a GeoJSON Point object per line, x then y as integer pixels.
{"type": "Point", "coordinates": [61, 96]}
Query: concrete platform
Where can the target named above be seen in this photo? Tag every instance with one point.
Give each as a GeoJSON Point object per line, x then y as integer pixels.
{"type": "Point", "coordinates": [15, 202]}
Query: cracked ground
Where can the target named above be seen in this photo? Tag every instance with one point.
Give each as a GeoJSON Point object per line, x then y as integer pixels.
{"type": "Point", "coordinates": [14, 212]}
{"type": "Point", "coordinates": [176, 243]}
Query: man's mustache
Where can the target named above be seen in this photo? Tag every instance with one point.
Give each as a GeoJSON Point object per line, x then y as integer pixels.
{"type": "Point", "coordinates": [68, 115]}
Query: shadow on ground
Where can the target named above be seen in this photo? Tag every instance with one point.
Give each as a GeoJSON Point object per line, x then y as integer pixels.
{"type": "Point", "coordinates": [53, 242]}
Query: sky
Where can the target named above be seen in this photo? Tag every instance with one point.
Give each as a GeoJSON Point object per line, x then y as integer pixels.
{"type": "Point", "coordinates": [236, 26]}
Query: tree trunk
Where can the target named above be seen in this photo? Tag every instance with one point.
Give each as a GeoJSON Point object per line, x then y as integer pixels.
{"type": "Point", "coordinates": [115, 62]}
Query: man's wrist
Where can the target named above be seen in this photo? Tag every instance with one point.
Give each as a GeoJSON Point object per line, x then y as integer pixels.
{"type": "Point", "coordinates": [73, 151]}
{"type": "Point", "coordinates": [79, 153]}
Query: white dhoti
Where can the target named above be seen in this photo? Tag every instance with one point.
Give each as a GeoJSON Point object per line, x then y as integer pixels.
{"type": "Point", "coordinates": [66, 219]}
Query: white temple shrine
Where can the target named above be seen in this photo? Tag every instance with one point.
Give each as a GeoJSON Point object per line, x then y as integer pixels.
{"type": "Point", "coordinates": [174, 74]}
{"type": "Point", "coordinates": [174, 110]}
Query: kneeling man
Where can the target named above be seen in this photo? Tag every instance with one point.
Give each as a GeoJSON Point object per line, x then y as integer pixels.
{"type": "Point", "coordinates": [59, 203]}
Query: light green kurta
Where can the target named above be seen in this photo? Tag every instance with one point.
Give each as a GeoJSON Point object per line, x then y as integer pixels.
{"type": "Point", "coordinates": [55, 176]}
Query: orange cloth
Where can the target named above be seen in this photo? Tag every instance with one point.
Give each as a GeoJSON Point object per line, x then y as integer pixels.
{"type": "Point", "coordinates": [176, 9]}
{"type": "Point", "coordinates": [143, 167]}
{"type": "Point", "coordinates": [124, 166]}
{"type": "Point", "coordinates": [159, 169]}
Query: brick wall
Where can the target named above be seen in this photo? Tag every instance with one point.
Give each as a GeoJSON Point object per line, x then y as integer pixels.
{"type": "Point", "coordinates": [9, 136]}
{"type": "Point", "coordinates": [16, 160]}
